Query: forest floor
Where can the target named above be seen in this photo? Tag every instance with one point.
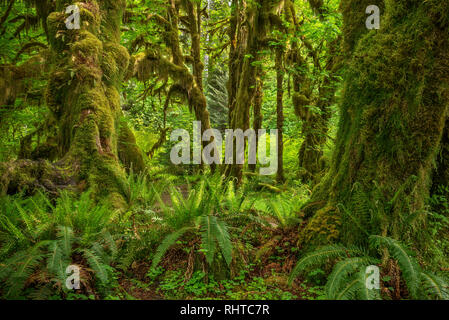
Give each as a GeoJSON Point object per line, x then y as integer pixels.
{"type": "Point", "coordinates": [267, 279]}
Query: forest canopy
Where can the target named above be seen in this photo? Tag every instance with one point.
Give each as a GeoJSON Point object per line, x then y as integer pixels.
{"type": "Point", "coordinates": [237, 149]}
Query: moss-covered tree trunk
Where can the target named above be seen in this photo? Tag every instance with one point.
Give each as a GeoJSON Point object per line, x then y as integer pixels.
{"type": "Point", "coordinates": [154, 63]}
{"type": "Point", "coordinates": [315, 123]}
{"type": "Point", "coordinates": [393, 117]}
{"type": "Point", "coordinates": [88, 65]}
{"type": "Point", "coordinates": [258, 21]}
{"type": "Point", "coordinates": [257, 111]}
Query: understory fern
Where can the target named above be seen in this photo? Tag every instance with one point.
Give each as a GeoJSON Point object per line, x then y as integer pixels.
{"type": "Point", "coordinates": [203, 214]}
{"type": "Point", "coordinates": [347, 280]}
{"type": "Point", "coordinates": [42, 239]}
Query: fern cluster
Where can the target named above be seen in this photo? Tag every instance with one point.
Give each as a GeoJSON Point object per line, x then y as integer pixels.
{"type": "Point", "coordinates": [204, 213]}
{"type": "Point", "coordinates": [283, 211]}
{"type": "Point", "coordinates": [41, 239]}
{"type": "Point", "coordinates": [347, 280]}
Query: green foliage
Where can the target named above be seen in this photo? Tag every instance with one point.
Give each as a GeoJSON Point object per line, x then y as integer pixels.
{"type": "Point", "coordinates": [283, 211]}
{"type": "Point", "coordinates": [321, 256]}
{"type": "Point", "coordinates": [409, 266]}
{"type": "Point", "coordinates": [201, 286]}
{"type": "Point", "coordinates": [203, 212]}
{"type": "Point", "coordinates": [348, 277]}
{"type": "Point", "coordinates": [43, 239]}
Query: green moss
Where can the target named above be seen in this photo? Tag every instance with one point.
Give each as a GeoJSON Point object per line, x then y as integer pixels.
{"type": "Point", "coordinates": [88, 66]}
{"type": "Point", "coordinates": [322, 229]}
{"type": "Point", "coordinates": [57, 30]}
{"type": "Point", "coordinates": [129, 153]}
{"type": "Point", "coordinates": [87, 46]}
{"type": "Point", "coordinates": [114, 63]}
{"type": "Point", "coordinates": [393, 110]}
{"type": "Point", "coordinates": [299, 102]}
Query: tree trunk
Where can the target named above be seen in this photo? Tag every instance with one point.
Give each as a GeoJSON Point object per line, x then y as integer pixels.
{"type": "Point", "coordinates": [257, 111]}
{"type": "Point", "coordinates": [393, 115]}
{"type": "Point", "coordinates": [315, 124]}
{"type": "Point", "coordinates": [88, 66]}
{"type": "Point", "coordinates": [258, 25]}
{"type": "Point", "coordinates": [154, 64]}
{"type": "Point", "coordinates": [280, 112]}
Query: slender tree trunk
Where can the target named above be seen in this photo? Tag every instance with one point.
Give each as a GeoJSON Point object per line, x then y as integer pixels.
{"type": "Point", "coordinates": [257, 111]}
{"type": "Point", "coordinates": [258, 24]}
{"type": "Point", "coordinates": [280, 112]}
{"type": "Point", "coordinates": [315, 124]}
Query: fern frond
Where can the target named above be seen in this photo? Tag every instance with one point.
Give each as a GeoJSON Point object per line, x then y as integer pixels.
{"type": "Point", "coordinates": [110, 243]}
{"type": "Point", "coordinates": [224, 240]}
{"type": "Point", "coordinates": [434, 287]}
{"type": "Point", "coordinates": [57, 262]}
{"type": "Point", "coordinates": [321, 255]}
{"type": "Point", "coordinates": [208, 241]}
{"type": "Point", "coordinates": [8, 226]}
{"type": "Point", "coordinates": [364, 293]}
{"type": "Point", "coordinates": [167, 243]}
{"type": "Point", "coordinates": [341, 272]}
{"type": "Point", "coordinates": [96, 263]}
{"type": "Point", "coordinates": [24, 263]}
{"type": "Point", "coordinates": [25, 217]}
{"type": "Point", "coordinates": [354, 219]}
{"type": "Point", "coordinates": [349, 291]}
{"type": "Point", "coordinates": [65, 240]}
{"type": "Point", "coordinates": [199, 196]}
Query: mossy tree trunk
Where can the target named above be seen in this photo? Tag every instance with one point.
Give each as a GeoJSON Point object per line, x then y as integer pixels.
{"type": "Point", "coordinates": [88, 66]}
{"type": "Point", "coordinates": [393, 118]}
{"type": "Point", "coordinates": [257, 110]}
{"type": "Point", "coordinates": [154, 64]}
{"type": "Point", "coordinates": [259, 18]}
{"type": "Point", "coordinates": [315, 122]}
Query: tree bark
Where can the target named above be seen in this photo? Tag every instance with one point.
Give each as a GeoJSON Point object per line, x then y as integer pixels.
{"type": "Point", "coordinates": [393, 116]}
{"type": "Point", "coordinates": [257, 111]}
{"type": "Point", "coordinates": [257, 21]}
{"type": "Point", "coordinates": [88, 66]}
{"type": "Point", "coordinates": [280, 112]}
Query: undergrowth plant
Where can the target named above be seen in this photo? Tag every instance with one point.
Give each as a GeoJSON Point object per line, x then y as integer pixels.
{"type": "Point", "coordinates": [348, 278]}
{"type": "Point", "coordinates": [41, 239]}
{"type": "Point", "coordinates": [368, 216]}
{"type": "Point", "coordinates": [284, 213]}
{"type": "Point", "coordinates": [204, 213]}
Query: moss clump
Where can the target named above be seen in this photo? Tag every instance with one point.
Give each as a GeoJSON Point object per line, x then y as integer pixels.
{"type": "Point", "coordinates": [114, 63]}
{"type": "Point", "coordinates": [299, 102]}
{"type": "Point", "coordinates": [87, 46]}
{"type": "Point", "coordinates": [322, 229]}
{"type": "Point", "coordinates": [58, 33]}
{"type": "Point", "coordinates": [129, 153]}
{"type": "Point", "coordinates": [29, 176]}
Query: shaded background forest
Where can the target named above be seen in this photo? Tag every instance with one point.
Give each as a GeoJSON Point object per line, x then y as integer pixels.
{"type": "Point", "coordinates": [85, 171]}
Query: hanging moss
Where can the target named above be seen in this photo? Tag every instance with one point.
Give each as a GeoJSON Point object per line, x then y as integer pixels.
{"type": "Point", "coordinates": [299, 102]}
